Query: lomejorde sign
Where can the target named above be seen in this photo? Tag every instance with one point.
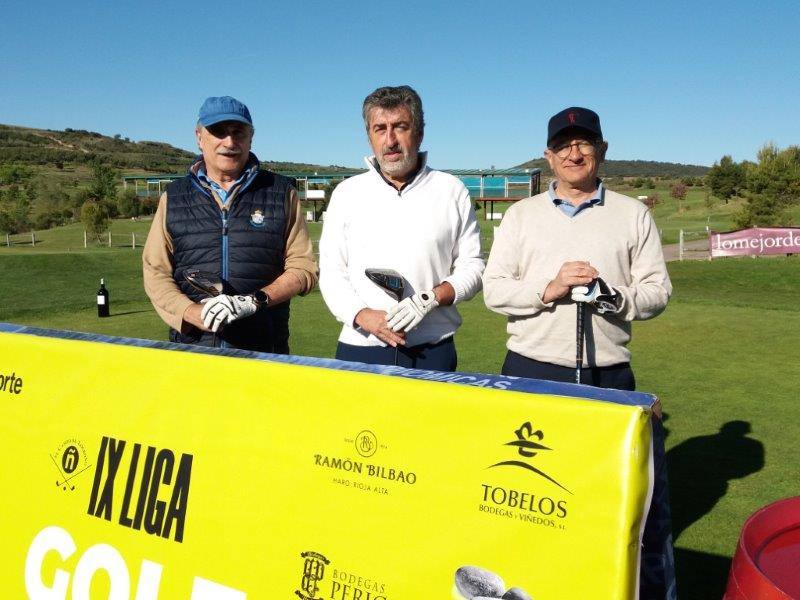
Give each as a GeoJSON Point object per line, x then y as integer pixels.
{"type": "Point", "coordinates": [755, 241]}
{"type": "Point", "coordinates": [140, 473]}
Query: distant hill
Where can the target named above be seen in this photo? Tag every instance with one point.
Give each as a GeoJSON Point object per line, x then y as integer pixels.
{"type": "Point", "coordinates": [51, 148]}
{"type": "Point", "coordinates": [25, 145]}
{"type": "Point", "coordinates": [632, 168]}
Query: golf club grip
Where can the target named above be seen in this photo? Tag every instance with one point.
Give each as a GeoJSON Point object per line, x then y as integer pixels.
{"type": "Point", "coordinates": [579, 324]}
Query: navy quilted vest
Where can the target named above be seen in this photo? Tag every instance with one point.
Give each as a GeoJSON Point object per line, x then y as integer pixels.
{"type": "Point", "coordinates": [248, 253]}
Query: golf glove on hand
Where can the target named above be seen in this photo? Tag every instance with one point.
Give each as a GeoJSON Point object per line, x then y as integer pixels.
{"type": "Point", "coordinates": [222, 309]}
{"type": "Point", "coordinates": [603, 297]}
{"type": "Point", "coordinates": [407, 314]}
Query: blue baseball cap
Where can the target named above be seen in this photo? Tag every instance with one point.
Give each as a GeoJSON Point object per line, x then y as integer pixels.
{"type": "Point", "coordinates": [223, 108]}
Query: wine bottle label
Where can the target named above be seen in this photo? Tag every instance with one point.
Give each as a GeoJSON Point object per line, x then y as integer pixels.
{"type": "Point", "coordinates": [101, 299]}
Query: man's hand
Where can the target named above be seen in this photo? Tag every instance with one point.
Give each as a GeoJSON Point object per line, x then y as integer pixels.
{"type": "Point", "coordinates": [192, 316]}
{"type": "Point", "coordinates": [570, 274]}
{"type": "Point", "coordinates": [223, 309]}
{"type": "Point", "coordinates": [603, 297]}
{"type": "Point", "coordinates": [407, 314]}
{"type": "Point", "coordinates": [374, 322]}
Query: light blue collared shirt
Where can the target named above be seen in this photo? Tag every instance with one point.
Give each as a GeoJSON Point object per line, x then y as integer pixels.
{"type": "Point", "coordinates": [568, 208]}
{"type": "Point", "coordinates": [222, 193]}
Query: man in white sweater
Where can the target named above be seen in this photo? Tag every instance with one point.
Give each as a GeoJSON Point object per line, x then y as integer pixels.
{"type": "Point", "coordinates": [403, 216]}
{"type": "Point", "coordinates": [576, 242]}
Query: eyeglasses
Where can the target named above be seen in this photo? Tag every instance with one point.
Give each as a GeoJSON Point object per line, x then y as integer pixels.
{"type": "Point", "coordinates": [562, 151]}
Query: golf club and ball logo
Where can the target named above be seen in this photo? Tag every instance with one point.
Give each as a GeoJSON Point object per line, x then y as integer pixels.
{"type": "Point", "coordinates": [69, 460]}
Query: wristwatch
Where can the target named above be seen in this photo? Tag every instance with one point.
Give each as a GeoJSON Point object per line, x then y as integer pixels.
{"type": "Point", "coordinates": [261, 298]}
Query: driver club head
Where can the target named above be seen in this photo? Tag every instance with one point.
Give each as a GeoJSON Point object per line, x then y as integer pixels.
{"type": "Point", "coordinates": [204, 281]}
{"type": "Point", "coordinates": [389, 280]}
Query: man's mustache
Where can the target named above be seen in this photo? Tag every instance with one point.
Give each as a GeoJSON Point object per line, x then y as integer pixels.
{"type": "Point", "coordinates": [395, 148]}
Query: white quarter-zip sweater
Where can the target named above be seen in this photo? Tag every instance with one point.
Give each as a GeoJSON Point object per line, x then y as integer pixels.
{"type": "Point", "coordinates": [427, 232]}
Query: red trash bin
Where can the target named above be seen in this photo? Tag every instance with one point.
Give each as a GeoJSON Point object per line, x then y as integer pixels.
{"type": "Point", "coordinates": [766, 565]}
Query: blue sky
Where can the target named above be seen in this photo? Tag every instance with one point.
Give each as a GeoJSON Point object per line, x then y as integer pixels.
{"type": "Point", "coordinates": [678, 81]}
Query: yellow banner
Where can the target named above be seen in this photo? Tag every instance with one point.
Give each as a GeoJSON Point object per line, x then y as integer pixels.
{"type": "Point", "coordinates": [141, 473]}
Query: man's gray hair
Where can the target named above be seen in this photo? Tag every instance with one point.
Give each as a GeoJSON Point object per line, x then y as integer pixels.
{"type": "Point", "coordinates": [393, 97]}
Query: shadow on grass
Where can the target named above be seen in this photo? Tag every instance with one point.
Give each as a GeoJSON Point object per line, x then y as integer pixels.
{"type": "Point", "coordinates": [701, 467]}
{"type": "Point", "coordinates": [130, 312]}
{"type": "Point", "coordinates": [701, 576]}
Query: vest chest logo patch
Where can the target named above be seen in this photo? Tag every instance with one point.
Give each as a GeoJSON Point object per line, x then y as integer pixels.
{"type": "Point", "coordinates": [257, 219]}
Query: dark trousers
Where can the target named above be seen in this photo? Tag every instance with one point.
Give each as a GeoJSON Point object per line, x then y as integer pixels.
{"type": "Point", "coordinates": [618, 377]}
{"type": "Point", "coordinates": [433, 357]}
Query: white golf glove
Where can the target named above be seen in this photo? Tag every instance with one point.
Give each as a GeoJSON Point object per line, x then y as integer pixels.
{"type": "Point", "coordinates": [223, 309]}
{"type": "Point", "coordinates": [406, 314]}
{"type": "Point", "coordinates": [603, 297]}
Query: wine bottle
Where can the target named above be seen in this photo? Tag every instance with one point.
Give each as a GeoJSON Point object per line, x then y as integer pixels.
{"type": "Point", "coordinates": [103, 303]}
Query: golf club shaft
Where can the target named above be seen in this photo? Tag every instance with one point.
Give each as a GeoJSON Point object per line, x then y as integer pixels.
{"type": "Point", "coordinates": [579, 341]}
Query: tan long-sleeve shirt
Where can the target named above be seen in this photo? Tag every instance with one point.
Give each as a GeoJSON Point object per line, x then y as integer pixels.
{"type": "Point", "coordinates": [168, 300]}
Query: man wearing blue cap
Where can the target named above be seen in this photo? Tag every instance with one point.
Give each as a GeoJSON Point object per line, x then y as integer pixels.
{"type": "Point", "coordinates": [231, 221]}
{"type": "Point", "coordinates": [576, 243]}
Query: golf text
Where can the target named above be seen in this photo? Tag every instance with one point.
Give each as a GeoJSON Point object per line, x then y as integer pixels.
{"type": "Point", "coordinates": [155, 515]}
{"type": "Point", "coordinates": [52, 584]}
{"type": "Point", "coordinates": [11, 383]}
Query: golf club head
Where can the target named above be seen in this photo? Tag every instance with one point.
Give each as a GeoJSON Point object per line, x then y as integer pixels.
{"type": "Point", "coordinates": [388, 280]}
{"type": "Point", "coordinates": [204, 281]}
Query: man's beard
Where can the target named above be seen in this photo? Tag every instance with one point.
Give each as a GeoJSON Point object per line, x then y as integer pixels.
{"type": "Point", "coordinates": [399, 167]}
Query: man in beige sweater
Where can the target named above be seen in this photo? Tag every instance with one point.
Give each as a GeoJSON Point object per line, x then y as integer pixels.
{"type": "Point", "coordinates": [576, 242]}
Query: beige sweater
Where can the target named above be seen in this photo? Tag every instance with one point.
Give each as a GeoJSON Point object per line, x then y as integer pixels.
{"type": "Point", "coordinates": [618, 237]}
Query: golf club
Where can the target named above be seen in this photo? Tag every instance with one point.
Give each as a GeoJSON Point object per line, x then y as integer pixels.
{"type": "Point", "coordinates": [208, 283]}
{"type": "Point", "coordinates": [581, 312]}
{"type": "Point", "coordinates": [66, 479]}
{"type": "Point", "coordinates": [204, 281]}
{"type": "Point", "coordinates": [392, 283]}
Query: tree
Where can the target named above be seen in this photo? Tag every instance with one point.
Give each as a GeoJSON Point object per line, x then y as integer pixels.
{"type": "Point", "coordinates": [773, 188]}
{"type": "Point", "coordinates": [94, 218]}
{"type": "Point", "coordinates": [128, 203]}
{"type": "Point", "coordinates": [149, 205]}
{"type": "Point", "coordinates": [103, 186]}
{"type": "Point", "coordinates": [16, 205]}
{"type": "Point", "coordinates": [651, 201]}
{"type": "Point", "coordinates": [678, 191]}
{"type": "Point", "coordinates": [6, 222]}
{"type": "Point", "coordinates": [52, 203]}
{"type": "Point", "coordinates": [726, 178]}
{"type": "Point", "coordinates": [11, 174]}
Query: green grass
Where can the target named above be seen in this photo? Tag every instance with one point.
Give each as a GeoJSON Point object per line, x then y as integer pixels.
{"type": "Point", "coordinates": [724, 350]}
{"type": "Point", "coordinates": [69, 238]}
